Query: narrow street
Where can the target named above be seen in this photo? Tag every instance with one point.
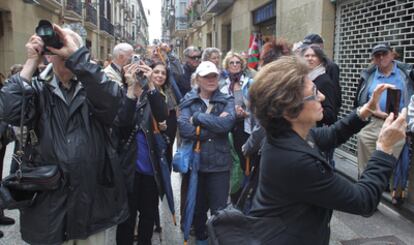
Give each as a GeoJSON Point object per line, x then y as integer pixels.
{"type": "Point", "coordinates": [344, 227]}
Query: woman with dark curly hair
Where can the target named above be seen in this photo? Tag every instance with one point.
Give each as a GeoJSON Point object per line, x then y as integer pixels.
{"type": "Point", "coordinates": [296, 183]}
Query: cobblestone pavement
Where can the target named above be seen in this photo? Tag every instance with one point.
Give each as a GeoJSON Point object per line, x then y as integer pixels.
{"type": "Point", "coordinates": [344, 226]}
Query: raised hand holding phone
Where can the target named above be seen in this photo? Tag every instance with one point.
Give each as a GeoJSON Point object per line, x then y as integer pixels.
{"type": "Point", "coordinates": [393, 101]}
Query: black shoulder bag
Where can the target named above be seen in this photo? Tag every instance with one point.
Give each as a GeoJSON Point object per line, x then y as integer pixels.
{"type": "Point", "coordinates": [20, 189]}
{"type": "Point", "coordinates": [233, 226]}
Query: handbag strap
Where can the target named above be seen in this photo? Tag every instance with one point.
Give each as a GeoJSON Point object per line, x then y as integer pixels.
{"type": "Point", "coordinates": [18, 155]}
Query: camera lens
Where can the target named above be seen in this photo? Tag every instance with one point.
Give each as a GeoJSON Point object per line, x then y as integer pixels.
{"type": "Point", "coordinates": [45, 31]}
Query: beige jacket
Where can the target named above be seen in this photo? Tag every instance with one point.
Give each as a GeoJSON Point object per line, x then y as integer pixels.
{"type": "Point", "coordinates": [113, 74]}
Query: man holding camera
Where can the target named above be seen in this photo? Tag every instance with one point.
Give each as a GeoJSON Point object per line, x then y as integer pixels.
{"type": "Point", "coordinates": [385, 69]}
{"type": "Point", "coordinates": [69, 110]}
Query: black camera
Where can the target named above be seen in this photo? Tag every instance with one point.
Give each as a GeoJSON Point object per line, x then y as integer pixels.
{"type": "Point", "coordinates": [45, 31]}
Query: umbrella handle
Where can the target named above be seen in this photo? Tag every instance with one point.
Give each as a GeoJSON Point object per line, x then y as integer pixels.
{"type": "Point", "coordinates": [174, 220]}
{"type": "Point", "coordinates": [247, 171]}
{"type": "Point", "coordinates": [198, 143]}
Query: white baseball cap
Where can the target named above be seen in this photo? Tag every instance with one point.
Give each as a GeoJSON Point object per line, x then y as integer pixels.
{"type": "Point", "coordinates": [205, 68]}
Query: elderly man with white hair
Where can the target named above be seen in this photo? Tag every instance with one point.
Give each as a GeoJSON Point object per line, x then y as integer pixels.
{"type": "Point", "coordinates": [69, 110]}
{"type": "Point", "coordinates": [121, 55]}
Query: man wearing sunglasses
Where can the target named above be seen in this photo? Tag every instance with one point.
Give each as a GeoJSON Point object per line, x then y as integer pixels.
{"type": "Point", "coordinates": [192, 58]}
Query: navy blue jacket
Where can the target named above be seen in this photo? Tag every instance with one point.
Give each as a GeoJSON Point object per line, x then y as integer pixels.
{"type": "Point", "coordinates": [215, 148]}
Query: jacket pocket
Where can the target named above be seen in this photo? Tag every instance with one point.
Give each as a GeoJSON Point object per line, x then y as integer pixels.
{"type": "Point", "coordinates": [222, 156]}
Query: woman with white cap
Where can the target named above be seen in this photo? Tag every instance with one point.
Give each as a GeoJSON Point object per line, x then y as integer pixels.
{"type": "Point", "coordinates": [215, 113]}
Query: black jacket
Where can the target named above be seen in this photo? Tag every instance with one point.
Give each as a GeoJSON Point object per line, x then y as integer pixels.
{"type": "Point", "coordinates": [330, 109]}
{"type": "Point", "coordinates": [184, 79]}
{"type": "Point", "coordinates": [299, 186]}
{"type": "Point", "coordinates": [132, 117]}
{"type": "Point", "coordinates": [74, 136]}
{"type": "Point", "coordinates": [332, 70]}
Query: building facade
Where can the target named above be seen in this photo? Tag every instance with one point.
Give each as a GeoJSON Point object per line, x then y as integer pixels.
{"type": "Point", "coordinates": [101, 24]}
{"type": "Point", "coordinates": [228, 24]}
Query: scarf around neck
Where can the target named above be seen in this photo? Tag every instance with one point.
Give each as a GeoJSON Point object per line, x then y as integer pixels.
{"type": "Point", "coordinates": [234, 78]}
{"type": "Point", "coordinates": [316, 72]}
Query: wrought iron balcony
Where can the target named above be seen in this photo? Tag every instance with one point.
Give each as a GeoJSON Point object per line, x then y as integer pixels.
{"type": "Point", "coordinates": [75, 6]}
{"type": "Point", "coordinates": [217, 6]}
{"type": "Point", "coordinates": [105, 25]}
{"type": "Point", "coordinates": [91, 14]}
{"type": "Point", "coordinates": [118, 30]}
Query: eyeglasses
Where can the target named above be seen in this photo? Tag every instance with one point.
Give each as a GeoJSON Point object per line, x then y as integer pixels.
{"type": "Point", "coordinates": [197, 58]}
{"type": "Point", "coordinates": [314, 95]}
{"type": "Point", "coordinates": [234, 63]}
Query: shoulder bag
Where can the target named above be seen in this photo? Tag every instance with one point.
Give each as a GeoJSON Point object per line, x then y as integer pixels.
{"type": "Point", "coordinates": [20, 189]}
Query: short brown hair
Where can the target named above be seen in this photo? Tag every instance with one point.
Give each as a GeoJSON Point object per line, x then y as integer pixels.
{"type": "Point", "coordinates": [278, 92]}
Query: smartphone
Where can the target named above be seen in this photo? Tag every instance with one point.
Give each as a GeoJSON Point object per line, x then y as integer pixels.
{"type": "Point", "coordinates": [393, 101]}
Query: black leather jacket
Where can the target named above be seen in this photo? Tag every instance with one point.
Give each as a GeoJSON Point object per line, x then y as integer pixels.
{"type": "Point", "coordinates": [75, 136]}
{"type": "Point", "coordinates": [297, 184]}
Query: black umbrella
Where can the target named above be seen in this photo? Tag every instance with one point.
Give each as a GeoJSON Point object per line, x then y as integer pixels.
{"type": "Point", "coordinates": [160, 150]}
{"type": "Point", "coordinates": [190, 202]}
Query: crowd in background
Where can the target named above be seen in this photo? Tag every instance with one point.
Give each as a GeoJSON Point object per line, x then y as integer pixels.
{"type": "Point", "coordinates": [269, 111]}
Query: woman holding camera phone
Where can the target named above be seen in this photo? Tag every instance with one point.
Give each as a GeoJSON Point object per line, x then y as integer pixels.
{"type": "Point", "coordinates": [142, 105]}
{"type": "Point", "coordinates": [297, 186]}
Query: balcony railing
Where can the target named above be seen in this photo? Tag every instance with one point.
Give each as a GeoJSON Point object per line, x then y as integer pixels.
{"type": "Point", "coordinates": [91, 14]}
{"type": "Point", "coordinates": [217, 6]}
{"type": "Point", "coordinates": [118, 31]}
{"type": "Point", "coordinates": [75, 6]}
{"type": "Point", "coordinates": [106, 25]}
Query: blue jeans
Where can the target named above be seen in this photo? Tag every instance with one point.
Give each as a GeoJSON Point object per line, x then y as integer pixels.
{"type": "Point", "coordinates": [212, 193]}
